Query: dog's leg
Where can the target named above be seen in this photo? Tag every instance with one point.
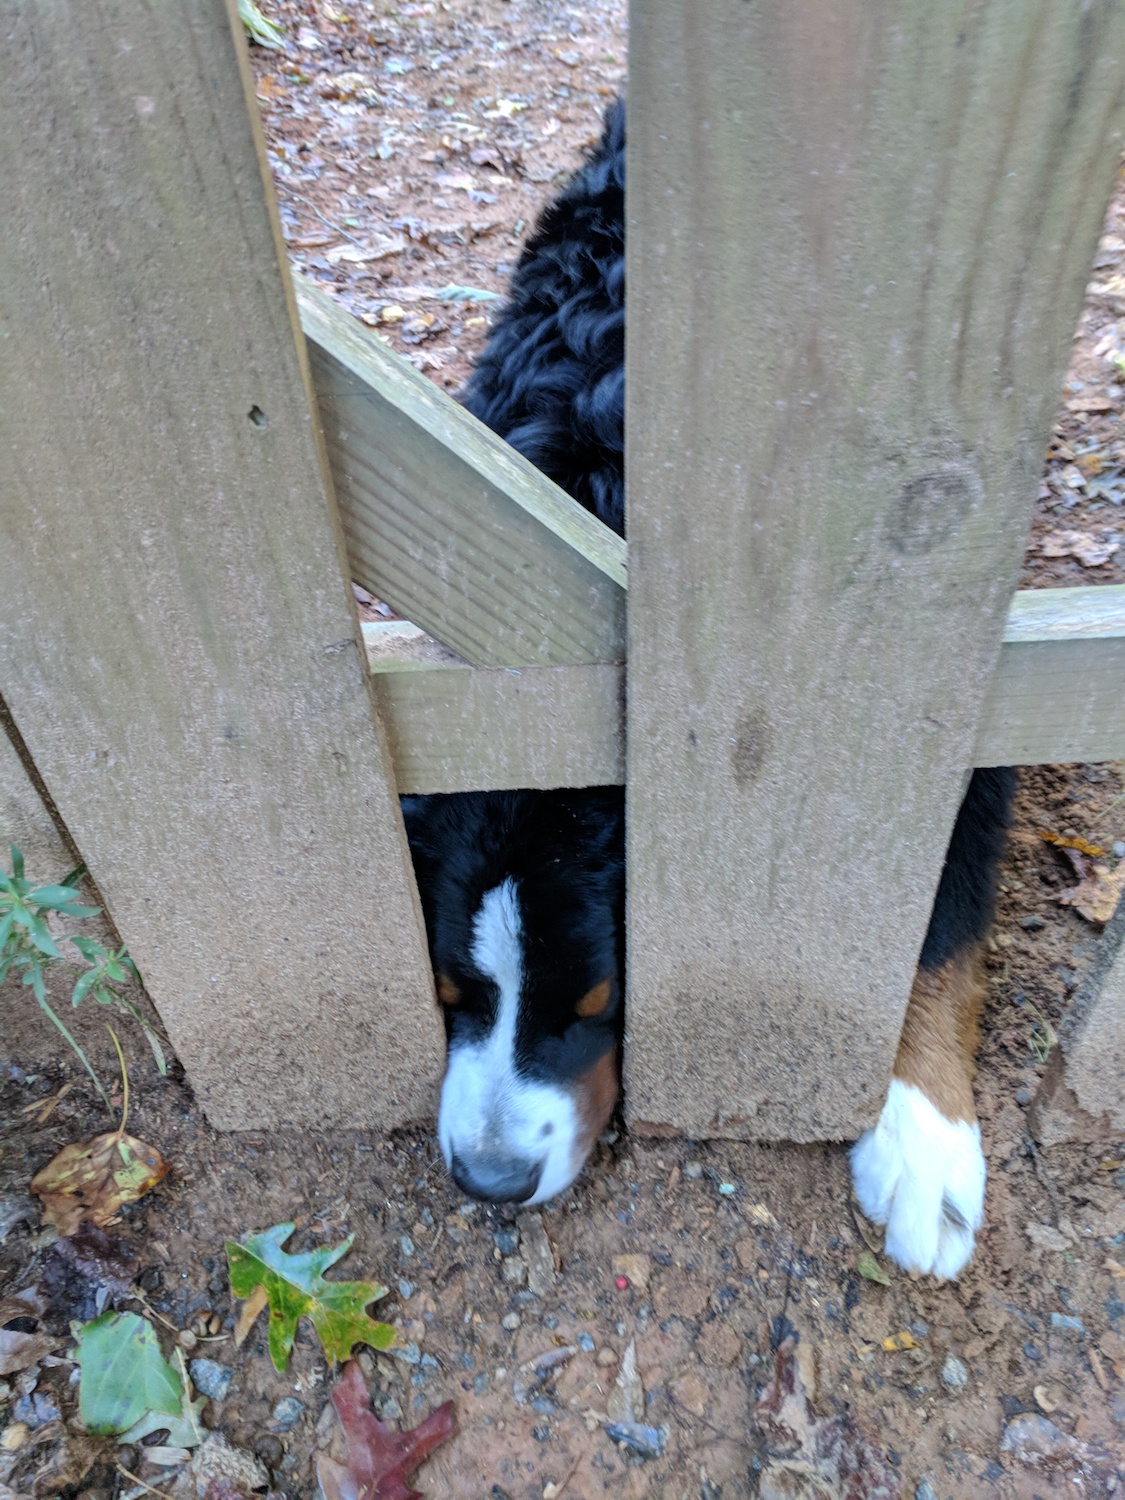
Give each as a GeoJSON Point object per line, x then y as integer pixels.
{"type": "Point", "coordinates": [921, 1171]}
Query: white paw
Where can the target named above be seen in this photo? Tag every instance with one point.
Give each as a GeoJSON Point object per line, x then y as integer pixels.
{"type": "Point", "coordinates": [923, 1177]}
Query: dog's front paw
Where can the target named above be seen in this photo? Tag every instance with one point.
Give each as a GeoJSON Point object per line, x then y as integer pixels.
{"type": "Point", "coordinates": [923, 1177]}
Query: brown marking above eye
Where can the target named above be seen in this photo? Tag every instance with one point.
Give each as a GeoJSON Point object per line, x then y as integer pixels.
{"type": "Point", "coordinates": [595, 1000]}
{"type": "Point", "coordinates": [447, 991]}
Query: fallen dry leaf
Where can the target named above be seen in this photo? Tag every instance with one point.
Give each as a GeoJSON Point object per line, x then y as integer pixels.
{"type": "Point", "coordinates": [895, 1343]}
{"type": "Point", "coordinates": [379, 1458]}
{"type": "Point", "coordinates": [1085, 549]}
{"type": "Point", "coordinates": [1096, 896]}
{"type": "Point", "coordinates": [257, 1300]}
{"type": "Point", "coordinates": [813, 1456]}
{"type": "Point", "coordinates": [101, 1259]}
{"type": "Point", "coordinates": [1115, 1268]}
{"type": "Point", "coordinates": [360, 254]}
{"type": "Point", "coordinates": [92, 1179]}
{"type": "Point", "coordinates": [19, 1350]}
{"type": "Point", "coordinates": [1095, 851]}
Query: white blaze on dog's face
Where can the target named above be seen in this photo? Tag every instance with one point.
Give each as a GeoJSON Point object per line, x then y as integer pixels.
{"type": "Point", "coordinates": [520, 1105]}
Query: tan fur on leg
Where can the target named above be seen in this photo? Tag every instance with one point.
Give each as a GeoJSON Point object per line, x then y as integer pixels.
{"type": "Point", "coordinates": [937, 1051]}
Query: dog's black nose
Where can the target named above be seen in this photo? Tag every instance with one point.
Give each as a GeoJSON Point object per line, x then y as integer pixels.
{"type": "Point", "coordinates": [496, 1179]}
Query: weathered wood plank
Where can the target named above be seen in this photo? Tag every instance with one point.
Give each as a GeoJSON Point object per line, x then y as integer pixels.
{"type": "Point", "coordinates": [858, 241]}
{"type": "Point", "coordinates": [1056, 696]}
{"type": "Point", "coordinates": [1058, 692]}
{"type": "Point", "coordinates": [25, 821]}
{"type": "Point", "coordinates": [176, 643]}
{"type": "Point", "coordinates": [455, 728]}
{"type": "Point", "coordinates": [449, 524]}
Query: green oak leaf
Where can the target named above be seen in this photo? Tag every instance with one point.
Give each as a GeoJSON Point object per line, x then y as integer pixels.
{"type": "Point", "coordinates": [296, 1287]}
{"type": "Point", "coordinates": [124, 1375]}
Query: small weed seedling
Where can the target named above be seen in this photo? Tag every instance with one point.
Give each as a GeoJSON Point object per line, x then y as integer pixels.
{"type": "Point", "coordinates": [28, 949]}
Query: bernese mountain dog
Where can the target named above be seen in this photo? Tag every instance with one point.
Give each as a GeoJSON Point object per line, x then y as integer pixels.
{"type": "Point", "coordinates": [523, 891]}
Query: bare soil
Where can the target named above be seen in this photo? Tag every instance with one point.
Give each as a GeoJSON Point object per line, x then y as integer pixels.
{"type": "Point", "coordinates": [402, 126]}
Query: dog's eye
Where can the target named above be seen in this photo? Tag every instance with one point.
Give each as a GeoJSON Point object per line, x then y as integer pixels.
{"type": "Point", "coordinates": [447, 991]}
{"type": "Point", "coordinates": [594, 1001]}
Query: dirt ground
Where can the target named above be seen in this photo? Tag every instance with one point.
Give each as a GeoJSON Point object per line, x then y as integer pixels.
{"type": "Point", "coordinates": [432, 134]}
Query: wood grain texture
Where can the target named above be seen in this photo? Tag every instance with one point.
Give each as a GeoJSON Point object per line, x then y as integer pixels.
{"type": "Point", "coordinates": [447, 523]}
{"type": "Point", "coordinates": [858, 239]}
{"type": "Point", "coordinates": [26, 823]}
{"type": "Point", "coordinates": [177, 644]}
{"type": "Point", "coordinates": [458, 729]}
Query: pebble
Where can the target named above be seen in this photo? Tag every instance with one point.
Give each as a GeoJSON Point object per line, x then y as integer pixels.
{"type": "Point", "coordinates": [924, 1490]}
{"type": "Point", "coordinates": [514, 1270]}
{"type": "Point", "coordinates": [585, 1343]}
{"type": "Point", "coordinates": [210, 1378]}
{"type": "Point", "coordinates": [954, 1375]}
{"type": "Point", "coordinates": [511, 1321]}
{"type": "Point", "coordinates": [1072, 1325]}
{"type": "Point", "coordinates": [1032, 1351]}
{"type": "Point", "coordinates": [506, 1240]}
{"type": "Point", "coordinates": [287, 1413]}
{"type": "Point", "coordinates": [541, 1434]}
{"type": "Point", "coordinates": [14, 1437]}
{"type": "Point", "coordinates": [1023, 1096]}
{"type": "Point", "coordinates": [1031, 1437]}
{"type": "Point", "coordinates": [637, 1437]}
{"type": "Point", "coordinates": [407, 1245]}
{"type": "Point", "coordinates": [480, 1384]}
{"type": "Point", "coordinates": [619, 1329]}
{"type": "Point", "coordinates": [269, 1449]}
{"type": "Point", "coordinates": [606, 1357]}
{"type": "Point", "coordinates": [1119, 850]}
{"type": "Point", "coordinates": [428, 1362]}
{"type": "Point", "coordinates": [1032, 923]}
{"type": "Point", "coordinates": [405, 1288]}
{"type": "Point", "coordinates": [550, 1321]}
{"type": "Point", "coordinates": [410, 1354]}
{"type": "Point", "coordinates": [693, 1170]}
{"type": "Point", "coordinates": [390, 1410]}
{"type": "Point", "coordinates": [537, 1253]}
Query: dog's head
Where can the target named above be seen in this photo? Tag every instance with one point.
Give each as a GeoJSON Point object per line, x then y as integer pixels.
{"type": "Point", "coordinates": [523, 899]}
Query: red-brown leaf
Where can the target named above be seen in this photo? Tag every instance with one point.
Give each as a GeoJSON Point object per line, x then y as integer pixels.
{"type": "Point", "coordinates": [379, 1458]}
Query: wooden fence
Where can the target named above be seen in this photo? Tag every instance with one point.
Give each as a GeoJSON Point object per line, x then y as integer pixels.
{"type": "Point", "coordinates": [858, 240]}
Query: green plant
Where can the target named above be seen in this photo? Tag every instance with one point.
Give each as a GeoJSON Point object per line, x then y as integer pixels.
{"type": "Point", "coordinates": [28, 949]}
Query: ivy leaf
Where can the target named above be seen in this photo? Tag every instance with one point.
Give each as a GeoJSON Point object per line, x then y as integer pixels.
{"type": "Point", "coordinates": [296, 1288]}
{"type": "Point", "coordinates": [124, 1375]}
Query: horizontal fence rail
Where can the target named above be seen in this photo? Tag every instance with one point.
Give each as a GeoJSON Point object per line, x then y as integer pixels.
{"type": "Point", "coordinates": [1056, 696]}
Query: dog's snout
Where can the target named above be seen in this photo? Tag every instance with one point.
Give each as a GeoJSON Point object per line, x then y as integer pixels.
{"type": "Point", "coordinates": [496, 1179]}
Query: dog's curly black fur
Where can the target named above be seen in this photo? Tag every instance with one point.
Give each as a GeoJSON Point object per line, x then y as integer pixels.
{"type": "Point", "coordinates": [552, 379]}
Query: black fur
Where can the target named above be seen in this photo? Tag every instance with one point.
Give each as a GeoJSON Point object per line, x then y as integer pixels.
{"type": "Point", "coordinates": [552, 379]}
{"type": "Point", "coordinates": [564, 850]}
{"type": "Point", "coordinates": [966, 892]}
